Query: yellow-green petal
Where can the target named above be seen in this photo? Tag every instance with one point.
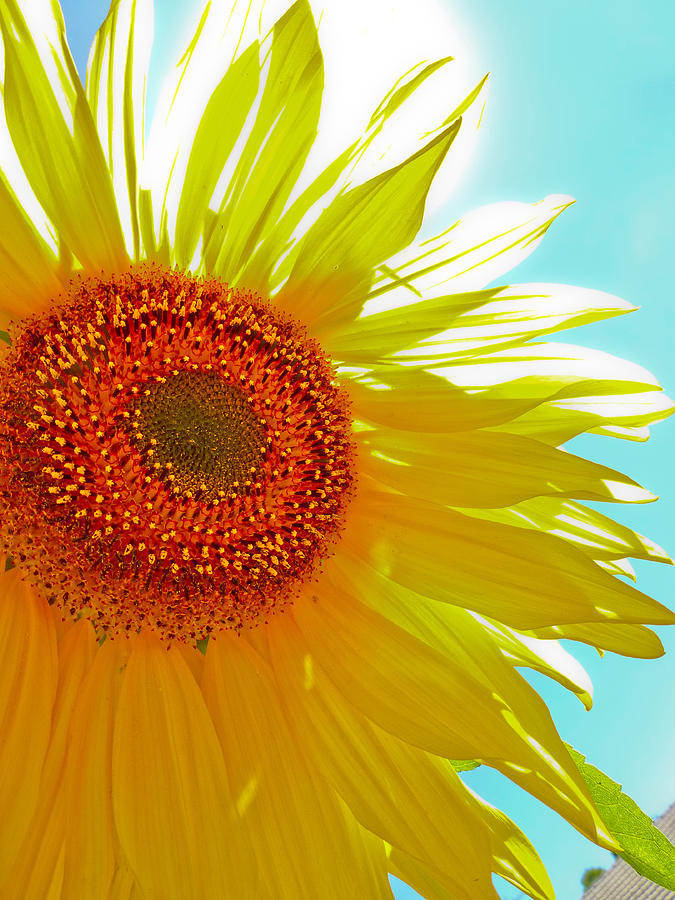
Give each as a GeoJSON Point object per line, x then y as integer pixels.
{"type": "Point", "coordinates": [359, 229]}
{"type": "Point", "coordinates": [218, 131]}
{"type": "Point", "coordinates": [276, 149]}
{"type": "Point", "coordinates": [115, 85]}
{"type": "Point", "coordinates": [54, 134]}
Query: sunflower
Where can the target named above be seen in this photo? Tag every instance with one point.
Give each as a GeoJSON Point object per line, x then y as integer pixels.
{"type": "Point", "coordinates": [283, 502]}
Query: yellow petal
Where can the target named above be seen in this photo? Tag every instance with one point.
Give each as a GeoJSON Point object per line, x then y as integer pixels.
{"type": "Point", "coordinates": [27, 694]}
{"type": "Point", "coordinates": [276, 149]}
{"type": "Point", "coordinates": [415, 400]}
{"type": "Point", "coordinates": [515, 857]}
{"type": "Point", "coordinates": [628, 640]}
{"type": "Point", "coordinates": [39, 863]}
{"type": "Point", "coordinates": [358, 230]}
{"type": "Point", "coordinates": [547, 657]}
{"type": "Point", "coordinates": [523, 578]}
{"type": "Point", "coordinates": [438, 706]}
{"type": "Point", "coordinates": [514, 315]}
{"type": "Point", "coordinates": [199, 64]}
{"type": "Point", "coordinates": [27, 265]}
{"type": "Point", "coordinates": [218, 131]}
{"type": "Point", "coordinates": [439, 658]}
{"type": "Point", "coordinates": [422, 877]}
{"type": "Point", "coordinates": [55, 137]}
{"type": "Point", "coordinates": [390, 786]}
{"type": "Point", "coordinates": [477, 249]}
{"type": "Point", "coordinates": [369, 338]}
{"type": "Point", "coordinates": [171, 803]}
{"type": "Point", "coordinates": [588, 530]}
{"type": "Point", "coordinates": [482, 469]}
{"type": "Point", "coordinates": [566, 395]}
{"type": "Point", "coordinates": [90, 847]}
{"type": "Point", "coordinates": [274, 259]}
{"type": "Point", "coordinates": [116, 75]}
{"type": "Point", "coordinates": [294, 827]}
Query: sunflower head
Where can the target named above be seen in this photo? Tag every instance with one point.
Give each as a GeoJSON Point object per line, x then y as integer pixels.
{"type": "Point", "coordinates": [183, 444]}
{"type": "Point", "coordinates": [243, 400]}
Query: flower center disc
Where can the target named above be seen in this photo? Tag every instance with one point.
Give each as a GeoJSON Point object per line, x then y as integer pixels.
{"type": "Point", "coordinates": [172, 452]}
{"type": "Point", "coordinates": [202, 433]}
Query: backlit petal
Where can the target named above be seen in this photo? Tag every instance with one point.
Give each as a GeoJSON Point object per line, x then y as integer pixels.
{"type": "Point", "coordinates": [55, 136]}
{"type": "Point", "coordinates": [116, 76]}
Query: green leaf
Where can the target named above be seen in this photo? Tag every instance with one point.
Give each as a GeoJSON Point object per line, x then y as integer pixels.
{"type": "Point", "coordinates": [645, 848]}
{"type": "Point", "coordinates": [464, 765]}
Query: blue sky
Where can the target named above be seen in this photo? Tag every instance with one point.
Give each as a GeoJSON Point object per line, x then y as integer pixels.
{"type": "Point", "coordinates": [581, 103]}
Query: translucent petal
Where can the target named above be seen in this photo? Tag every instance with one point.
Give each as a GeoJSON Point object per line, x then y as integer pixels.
{"type": "Point", "coordinates": [415, 400]}
{"type": "Point", "coordinates": [578, 390]}
{"type": "Point", "coordinates": [523, 578]}
{"type": "Point", "coordinates": [628, 640]}
{"type": "Point", "coordinates": [274, 259]}
{"type": "Point", "coordinates": [591, 532]}
{"type": "Point", "coordinates": [549, 658]}
{"type": "Point", "coordinates": [369, 338]}
{"type": "Point", "coordinates": [476, 250]}
{"type": "Point", "coordinates": [116, 76]}
{"type": "Point", "coordinates": [360, 229]}
{"type": "Point", "coordinates": [55, 136]}
{"type": "Point", "coordinates": [222, 28]}
{"type": "Point", "coordinates": [218, 131]}
{"type": "Point", "coordinates": [276, 149]}
{"type": "Point", "coordinates": [517, 314]}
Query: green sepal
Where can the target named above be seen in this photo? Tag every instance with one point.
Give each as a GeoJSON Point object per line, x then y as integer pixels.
{"type": "Point", "coordinates": [202, 644]}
